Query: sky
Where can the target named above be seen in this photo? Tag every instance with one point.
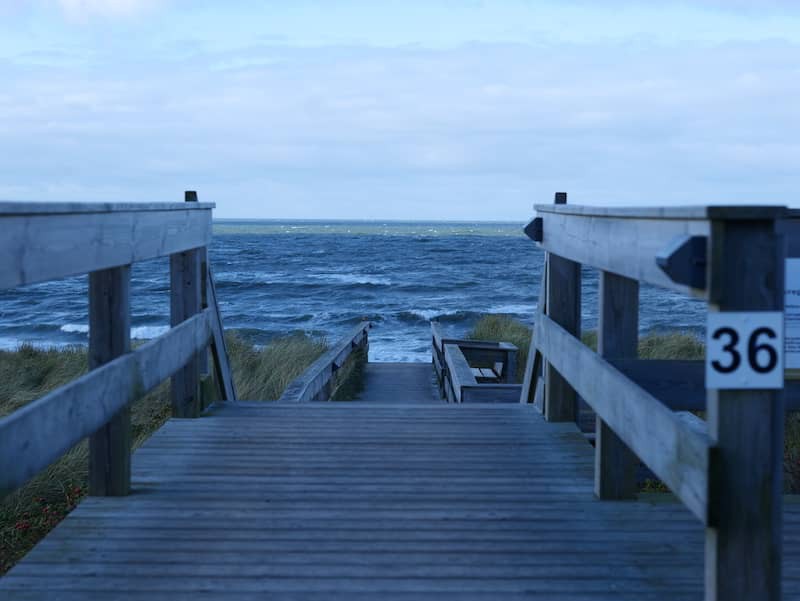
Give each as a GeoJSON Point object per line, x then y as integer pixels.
{"type": "Point", "coordinates": [432, 109]}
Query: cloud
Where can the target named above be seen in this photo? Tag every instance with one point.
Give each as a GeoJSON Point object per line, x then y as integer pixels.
{"type": "Point", "coordinates": [82, 10]}
{"type": "Point", "coordinates": [479, 131]}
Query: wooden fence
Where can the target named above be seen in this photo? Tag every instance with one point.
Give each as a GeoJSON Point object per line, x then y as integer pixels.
{"type": "Point", "coordinates": [46, 241]}
{"type": "Point", "coordinates": [474, 371]}
{"type": "Point", "coordinates": [726, 468]}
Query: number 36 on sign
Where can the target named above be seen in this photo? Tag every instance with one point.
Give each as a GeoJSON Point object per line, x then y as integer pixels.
{"type": "Point", "coordinates": [744, 350]}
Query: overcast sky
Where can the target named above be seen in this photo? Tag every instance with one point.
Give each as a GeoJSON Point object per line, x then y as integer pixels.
{"type": "Point", "coordinates": [400, 110]}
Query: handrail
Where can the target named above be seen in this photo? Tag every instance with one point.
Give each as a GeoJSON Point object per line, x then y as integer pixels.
{"type": "Point", "coordinates": [47, 241]}
{"type": "Point", "coordinates": [44, 241]}
{"type": "Point", "coordinates": [37, 434]}
{"type": "Point", "coordinates": [726, 470]}
{"type": "Point", "coordinates": [315, 383]}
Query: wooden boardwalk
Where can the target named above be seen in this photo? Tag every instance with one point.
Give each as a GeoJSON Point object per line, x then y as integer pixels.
{"type": "Point", "coordinates": [399, 383]}
{"type": "Point", "coordinates": [370, 501]}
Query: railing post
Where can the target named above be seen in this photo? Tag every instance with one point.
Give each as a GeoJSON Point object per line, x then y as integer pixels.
{"type": "Point", "coordinates": [109, 338]}
{"type": "Point", "coordinates": [185, 301]}
{"type": "Point", "coordinates": [743, 537]}
{"type": "Point", "coordinates": [207, 386]}
{"type": "Point", "coordinates": [617, 337]}
{"type": "Point", "coordinates": [564, 307]}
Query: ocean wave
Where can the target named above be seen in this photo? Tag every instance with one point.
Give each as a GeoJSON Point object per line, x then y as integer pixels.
{"type": "Point", "coordinates": [425, 315]}
{"type": "Point", "coordinates": [351, 279]}
{"type": "Point", "coordinates": [137, 332]}
{"type": "Point", "coordinates": [512, 309]}
{"type": "Point", "coordinates": [148, 332]}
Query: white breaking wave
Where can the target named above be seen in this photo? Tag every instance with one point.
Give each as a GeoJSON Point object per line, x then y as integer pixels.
{"type": "Point", "coordinates": [148, 332]}
{"type": "Point", "coordinates": [137, 333]}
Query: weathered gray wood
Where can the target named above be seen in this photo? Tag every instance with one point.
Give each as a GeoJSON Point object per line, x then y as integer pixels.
{"type": "Point", "coordinates": [625, 245]}
{"type": "Point", "coordinates": [39, 433]}
{"type": "Point", "coordinates": [23, 208]}
{"type": "Point", "coordinates": [662, 213]}
{"type": "Point", "coordinates": [458, 370]}
{"type": "Point", "coordinates": [533, 365]}
{"type": "Point", "coordinates": [743, 540]}
{"type": "Point", "coordinates": [618, 336]}
{"type": "Point", "coordinates": [219, 349]}
{"type": "Point", "coordinates": [491, 393]}
{"type": "Point", "coordinates": [564, 308]}
{"type": "Point", "coordinates": [449, 526]}
{"type": "Point", "coordinates": [398, 384]}
{"type": "Point", "coordinates": [677, 454]}
{"type": "Point", "coordinates": [185, 282]}
{"type": "Point", "coordinates": [680, 384]}
{"type": "Point", "coordinates": [40, 245]}
{"type": "Point", "coordinates": [109, 338]}
{"type": "Point", "coordinates": [202, 358]}
{"type": "Point", "coordinates": [314, 383]}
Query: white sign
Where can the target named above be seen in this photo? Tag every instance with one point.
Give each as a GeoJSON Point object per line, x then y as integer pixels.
{"type": "Point", "coordinates": [744, 350]}
{"type": "Point", "coordinates": [791, 303]}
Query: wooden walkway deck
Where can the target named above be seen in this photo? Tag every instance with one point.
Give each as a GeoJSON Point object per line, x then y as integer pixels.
{"type": "Point", "coordinates": [370, 501]}
{"type": "Point", "coordinates": [399, 383]}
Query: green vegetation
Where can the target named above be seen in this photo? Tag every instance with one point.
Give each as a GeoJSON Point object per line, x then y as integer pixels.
{"type": "Point", "coordinates": [671, 345]}
{"type": "Point", "coordinates": [32, 511]}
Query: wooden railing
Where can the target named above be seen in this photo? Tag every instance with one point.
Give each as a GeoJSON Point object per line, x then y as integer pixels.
{"type": "Point", "coordinates": [474, 371]}
{"type": "Point", "coordinates": [320, 380]}
{"type": "Point", "coordinates": [726, 469]}
{"type": "Point", "coordinates": [45, 241]}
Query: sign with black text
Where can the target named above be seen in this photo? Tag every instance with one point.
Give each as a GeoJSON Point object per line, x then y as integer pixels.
{"type": "Point", "coordinates": [744, 350]}
{"type": "Point", "coordinates": [791, 310]}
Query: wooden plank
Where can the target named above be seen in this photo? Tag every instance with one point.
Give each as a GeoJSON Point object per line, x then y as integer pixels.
{"type": "Point", "coordinates": [618, 336]}
{"type": "Point", "coordinates": [314, 383]}
{"type": "Point", "coordinates": [39, 433]}
{"type": "Point", "coordinates": [202, 359]}
{"type": "Point", "coordinates": [458, 370]}
{"type": "Point", "coordinates": [41, 246]}
{"type": "Point", "coordinates": [666, 213]}
{"type": "Point", "coordinates": [22, 208]}
{"type": "Point", "coordinates": [491, 393]}
{"type": "Point", "coordinates": [680, 384]}
{"type": "Point", "coordinates": [564, 308]}
{"type": "Point", "coordinates": [677, 455]}
{"type": "Point", "coordinates": [219, 349]}
{"type": "Point", "coordinates": [533, 365]}
{"type": "Point", "coordinates": [626, 246]}
{"type": "Point", "coordinates": [185, 281]}
{"type": "Point", "coordinates": [109, 338]}
{"type": "Point", "coordinates": [743, 540]}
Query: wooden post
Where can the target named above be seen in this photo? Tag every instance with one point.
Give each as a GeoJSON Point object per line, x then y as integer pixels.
{"type": "Point", "coordinates": [109, 338]}
{"type": "Point", "coordinates": [185, 284]}
{"type": "Point", "coordinates": [743, 538]}
{"type": "Point", "coordinates": [617, 338]}
{"type": "Point", "coordinates": [207, 395]}
{"type": "Point", "coordinates": [564, 307]}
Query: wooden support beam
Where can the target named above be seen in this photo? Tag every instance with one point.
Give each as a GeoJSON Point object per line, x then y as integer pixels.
{"type": "Point", "coordinates": [743, 538]}
{"type": "Point", "coordinates": [191, 196]}
{"type": "Point", "coordinates": [34, 436]}
{"type": "Point", "coordinates": [677, 454]}
{"type": "Point", "coordinates": [563, 303]}
{"type": "Point", "coordinates": [185, 279]}
{"type": "Point", "coordinates": [618, 336]}
{"type": "Point", "coordinates": [109, 338]}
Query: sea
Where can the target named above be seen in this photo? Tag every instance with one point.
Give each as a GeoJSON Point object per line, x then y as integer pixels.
{"type": "Point", "coordinates": [321, 278]}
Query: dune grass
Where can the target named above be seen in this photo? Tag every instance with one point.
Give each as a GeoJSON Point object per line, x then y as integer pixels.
{"type": "Point", "coordinates": [664, 345]}
{"type": "Point", "coordinates": [30, 512]}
